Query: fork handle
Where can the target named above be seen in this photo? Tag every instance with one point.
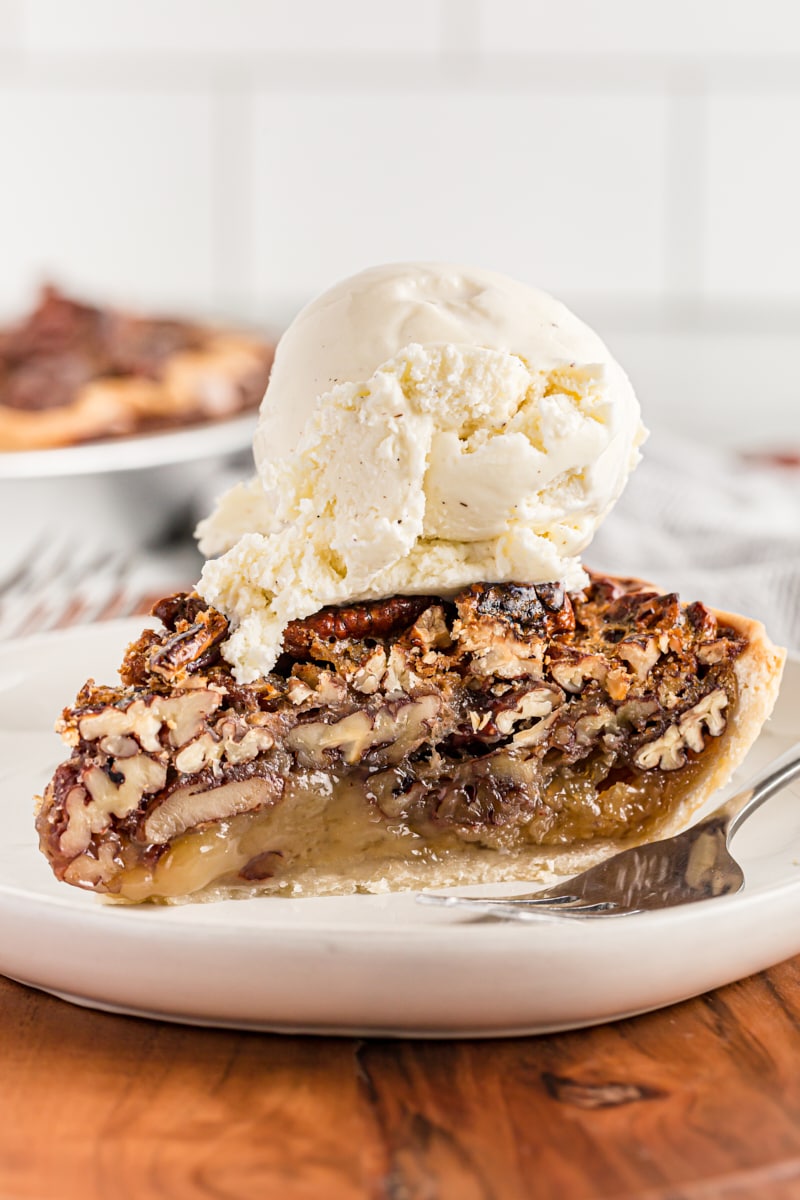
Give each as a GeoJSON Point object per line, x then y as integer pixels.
{"type": "Point", "coordinates": [737, 808]}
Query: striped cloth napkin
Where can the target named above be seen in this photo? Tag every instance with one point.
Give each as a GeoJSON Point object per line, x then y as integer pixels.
{"type": "Point", "coordinates": [713, 526]}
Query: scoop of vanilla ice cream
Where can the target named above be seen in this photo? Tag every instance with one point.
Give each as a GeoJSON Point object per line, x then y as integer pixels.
{"type": "Point", "coordinates": [425, 427]}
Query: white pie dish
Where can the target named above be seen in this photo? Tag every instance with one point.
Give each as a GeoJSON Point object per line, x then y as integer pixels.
{"type": "Point", "coordinates": [122, 494]}
{"type": "Point", "coordinates": [377, 964]}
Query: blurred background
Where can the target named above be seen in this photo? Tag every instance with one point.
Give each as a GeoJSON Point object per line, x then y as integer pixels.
{"type": "Point", "coordinates": [641, 161]}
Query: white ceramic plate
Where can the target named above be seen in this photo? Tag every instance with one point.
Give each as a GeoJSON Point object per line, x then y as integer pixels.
{"type": "Point", "coordinates": [133, 453]}
{"type": "Point", "coordinates": [114, 496]}
{"type": "Point", "coordinates": [362, 964]}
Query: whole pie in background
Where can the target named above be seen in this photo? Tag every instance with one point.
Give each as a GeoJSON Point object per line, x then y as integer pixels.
{"type": "Point", "coordinates": [72, 372]}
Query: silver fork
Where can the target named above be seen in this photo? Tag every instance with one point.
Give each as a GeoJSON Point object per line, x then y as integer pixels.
{"type": "Point", "coordinates": [694, 865]}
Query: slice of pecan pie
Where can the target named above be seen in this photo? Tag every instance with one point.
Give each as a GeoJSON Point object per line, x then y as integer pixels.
{"type": "Point", "coordinates": [406, 743]}
{"type": "Point", "coordinates": [71, 372]}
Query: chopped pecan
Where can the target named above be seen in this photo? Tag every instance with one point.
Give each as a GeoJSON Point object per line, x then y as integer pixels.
{"type": "Point", "coordinates": [646, 610]}
{"type": "Point", "coordinates": [708, 712]}
{"type": "Point", "coordinates": [536, 703]}
{"type": "Point", "coordinates": [714, 652]}
{"type": "Point", "coordinates": [669, 750]}
{"type": "Point", "coordinates": [143, 718]}
{"type": "Point", "coordinates": [530, 610]}
{"type": "Point", "coordinates": [135, 669]}
{"type": "Point", "coordinates": [666, 751]}
{"type": "Point", "coordinates": [192, 642]}
{"type": "Point", "coordinates": [701, 620]}
{"type": "Point", "coordinates": [430, 631]}
{"type": "Point", "coordinates": [193, 648]}
{"type": "Point", "coordinates": [396, 728]}
{"type": "Point", "coordinates": [367, 679]}
{"type": "Point", "coordinates": [182, 607]}
{"type": "Point", "coordinates": [517, 705]}
{"type": "Point", "coordinates": [641, 654]}
{"type": "Point", "coordinates": [571, 669]}
{"type": "Point", "coordinates": [101, 794]}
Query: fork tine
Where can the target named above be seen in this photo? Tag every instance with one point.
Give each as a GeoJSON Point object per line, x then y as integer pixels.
{"type": "Point", "coordinates": [496, 909]}
{"type": "Point", "coordinates": [558, 904]}
{"type": "Point", "coordinates": [541, 900]}
{"type": "Point", "coordinates": [577, 912]}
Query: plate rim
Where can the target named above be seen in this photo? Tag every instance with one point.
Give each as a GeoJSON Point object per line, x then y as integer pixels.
{"type": "Point", "coordinates": [111, 455]}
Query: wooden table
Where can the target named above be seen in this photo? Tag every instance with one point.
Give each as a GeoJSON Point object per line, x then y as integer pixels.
{"type": "Point", "coordinates": [700, 1101]}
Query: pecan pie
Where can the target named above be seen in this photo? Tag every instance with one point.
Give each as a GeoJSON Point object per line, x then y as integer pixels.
{"type": "Point", "coordinates": [412, 742]}
{"type": "Point", "coordinates": [71, 372]}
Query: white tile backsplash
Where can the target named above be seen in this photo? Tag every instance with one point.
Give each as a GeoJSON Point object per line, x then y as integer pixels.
{"type": "Point", "coordinates": [234, 198]}
{"type": "Point", "coordinates": [214, 27]}
{"type": "Point", "coordinates": [110, 192]}
{"type": "Point", "coordinates": [681, 28]}
{"type": "Point", "coordinates": [9, 25]}
{"type": "Point", "coordinates": [752, 227]}
{"type": "Point", "coordinates": [637, 159]}
{"type": "Point", "coordinates": [720, 388]}
{"type": "Point", "coordinates": [565, 191]}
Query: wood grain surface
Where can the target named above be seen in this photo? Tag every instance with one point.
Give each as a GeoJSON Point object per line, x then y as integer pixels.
{"type": "Point", "coordinates": [700, 1101]}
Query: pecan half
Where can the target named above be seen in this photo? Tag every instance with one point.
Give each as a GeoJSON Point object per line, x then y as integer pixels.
{"type": "Point", "coordinates": [375, 618]}
{"type": "Point", "coordinates": [194, 803]}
